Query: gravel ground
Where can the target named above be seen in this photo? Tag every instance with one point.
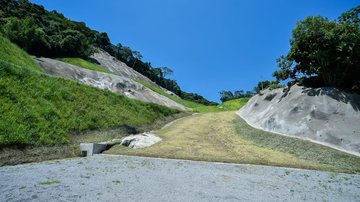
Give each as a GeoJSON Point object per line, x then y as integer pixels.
{"type": "Point", "coordinates": [124, 178]}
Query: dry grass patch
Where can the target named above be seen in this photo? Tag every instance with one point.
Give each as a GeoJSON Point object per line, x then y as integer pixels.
{"type": "Point", "coordinates": [216, 137]}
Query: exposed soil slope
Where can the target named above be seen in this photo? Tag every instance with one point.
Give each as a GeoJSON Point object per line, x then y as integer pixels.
{"type": "Point", "coordinates": [324, 115]}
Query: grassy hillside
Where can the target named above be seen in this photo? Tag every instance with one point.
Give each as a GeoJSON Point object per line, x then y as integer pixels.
{"type": "Point", "coordinates": [84, 64]}
{"type": "Point", "coordinates": [37, 109]}
{"type": "Point", "coordinates": [10, 54]}
{"type": "Point", "coordinates": [186, 103]}
{"type": "Point", "coordinates": [231, 105]}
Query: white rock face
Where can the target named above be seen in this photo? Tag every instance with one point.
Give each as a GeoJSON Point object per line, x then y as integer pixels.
{"type": "Point", "coordinates": [140, 140]}
{"type": "Point", "coordinates": [122, 83]}
{"type": "Point", "coordinates": [114, 65]}
{"type": "Point", "coordinates": [323, 115]}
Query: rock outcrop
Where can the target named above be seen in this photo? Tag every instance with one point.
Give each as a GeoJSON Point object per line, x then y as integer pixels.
{"type": "Point", "coordinates": [140, 140]}
{"type": "Point", "coordinates": [114, 65]}
{"type": "Point", "coordinates": [115, 83]}
{"type": "Point", "coordinates": [326, 116]}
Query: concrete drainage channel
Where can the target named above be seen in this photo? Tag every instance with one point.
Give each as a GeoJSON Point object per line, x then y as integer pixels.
{"type": "Point", "coordinates": [133, 141]}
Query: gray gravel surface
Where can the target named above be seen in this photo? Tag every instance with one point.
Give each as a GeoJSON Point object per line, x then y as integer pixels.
{"type": "Point", "coordinates": [123, 178]}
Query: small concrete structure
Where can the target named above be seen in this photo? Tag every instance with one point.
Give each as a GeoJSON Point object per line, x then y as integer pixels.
{"type": "Point", "coordinates": [89, 149]}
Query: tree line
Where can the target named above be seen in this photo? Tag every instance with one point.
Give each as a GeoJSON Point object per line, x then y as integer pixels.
{"type": "Point", "coordinates": [226, 95]}
{"type": "Point", "coordinates": [51, 34]}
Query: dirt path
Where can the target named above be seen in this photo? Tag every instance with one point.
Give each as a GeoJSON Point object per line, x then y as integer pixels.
{"type": "Point", "coordinates": [121, 178]}
{"type": "Point", "coordinates": [225, 137]}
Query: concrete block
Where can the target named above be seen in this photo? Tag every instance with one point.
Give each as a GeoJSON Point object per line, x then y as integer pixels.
{"type": "Point", "coordinates": [89, 149]}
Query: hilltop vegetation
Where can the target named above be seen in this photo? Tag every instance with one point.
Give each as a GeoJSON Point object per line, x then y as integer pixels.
{"type": "Point", "coordinates": [37, 109]}
{"type": "Point", "coordinates": [51, 34]}
{"type": "Point", "coordinates": [324, 52]}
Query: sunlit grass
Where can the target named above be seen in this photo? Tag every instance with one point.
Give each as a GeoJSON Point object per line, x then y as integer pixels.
{"type": "Point", "coordinates": [84, 64]}
{"type": "Point", "coordinates": [225, 137]}
{"type": "Point", "coordinates": [11, 54]}
{"type": "Point", "coordinates": [154, 88]}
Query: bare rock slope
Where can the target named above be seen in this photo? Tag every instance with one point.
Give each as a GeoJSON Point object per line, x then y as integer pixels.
{"type": "Point", "coordinates": [121, 83]}
{"type": "Point", "coordinates": [326, 116]}
{"type": "Point", "coordinates": [114, 65]}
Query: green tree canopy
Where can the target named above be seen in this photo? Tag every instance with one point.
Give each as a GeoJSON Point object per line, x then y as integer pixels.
{"type": "Point", "coordinates": [325, 51]}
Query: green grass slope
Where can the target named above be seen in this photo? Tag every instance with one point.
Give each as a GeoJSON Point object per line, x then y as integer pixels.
{"type": "Point", "coordinates": [231, 105]}
{"type": "Point", "coordinates": [156, 89]}
{"type": "Point", "coordinates": [37, 109]}
{"type": "Point", "coordinates": [84, 64]}
{"type": "Point", "coordinates": [10, 54]}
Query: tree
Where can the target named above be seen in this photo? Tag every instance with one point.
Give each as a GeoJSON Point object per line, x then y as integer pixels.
{"type": "Point", "coordinates": [166, 71]}
{"type": "Point", "coordinates": [74, 43]}
{"type": "Point", "coordinates": [239, 94]}
{"type": "Point", "coordinates": [325, 51]}
{"type": "Point", "coordinates": [226, 96]}
{"type": "Point", "coordinates": [267, 84]}
{"type": "Point", "coordinates": [103, 42]}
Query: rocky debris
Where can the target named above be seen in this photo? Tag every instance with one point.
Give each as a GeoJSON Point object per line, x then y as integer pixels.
{"type": "Point", "coordinates": [112, 142]}
{"type": "Point", "coordinates": [133, 141]}
{"type": "Point", "coordinates": [140, 140]}
{"type": "Point", "coordinates": [115, 83]}
{"type": "Point", "coordinates": [327, 116]}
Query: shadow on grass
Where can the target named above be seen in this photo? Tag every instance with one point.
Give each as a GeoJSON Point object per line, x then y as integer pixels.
{"type": "Point", "coordinates": [306, 150]}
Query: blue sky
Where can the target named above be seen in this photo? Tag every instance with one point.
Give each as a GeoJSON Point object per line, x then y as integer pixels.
{"type": "Point", "coordinates": [211, 45]}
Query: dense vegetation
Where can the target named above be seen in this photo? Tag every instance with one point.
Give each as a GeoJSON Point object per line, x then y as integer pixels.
{"type": "Point", "coordinates": [49, 33]}
{"type": "Point", "coordinates": [38, 109]}
{"type": "Point", "coordinates": [324, 52]}
{"type": "Point", "coordinates": [267, 84]}
{"type": "Point", "coordinates": [44, 33]}
{"type": "Point", "coordinates": [226, 95]}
